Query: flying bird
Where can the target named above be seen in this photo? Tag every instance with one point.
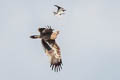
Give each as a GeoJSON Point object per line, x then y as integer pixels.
{"type": "Point", "coordinates": [50, 46]}
{"type": "Point", "coordinates": [60, 10]}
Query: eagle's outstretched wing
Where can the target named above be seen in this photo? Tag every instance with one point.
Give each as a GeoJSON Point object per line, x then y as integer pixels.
{"type": "Point", "coordinates": [60, 7]}
{"type": "Point", "coordinates": [56, 60]}
{"type": "Point", "coordinates": [53, 52]}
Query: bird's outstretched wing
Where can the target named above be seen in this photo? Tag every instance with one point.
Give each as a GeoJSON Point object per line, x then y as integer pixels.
{"type": "Point", "coordinates": [57, 6]}
{"type": "Point", "coordinates": [53, 52]}
{"type": "Point", "coordinates": [60, 8]}
{"type": "Point", "coordinates": [56, 60]}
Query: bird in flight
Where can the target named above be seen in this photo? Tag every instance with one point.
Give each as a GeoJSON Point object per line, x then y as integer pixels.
{"type": "Point", "coordinates": [50, 46]}
{"type": "Point", "coordinates": [60, 10]}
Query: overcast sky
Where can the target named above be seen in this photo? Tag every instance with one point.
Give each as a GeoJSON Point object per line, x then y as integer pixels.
{"type": "Point", "coordinates": [89, 39]}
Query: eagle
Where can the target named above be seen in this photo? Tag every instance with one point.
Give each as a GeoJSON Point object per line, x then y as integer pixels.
{"type": "Point", "coordinates": [50, 46]}
{"type": "Point", "coordinates": [60, 10]}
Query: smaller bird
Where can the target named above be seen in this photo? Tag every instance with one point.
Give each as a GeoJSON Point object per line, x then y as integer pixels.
{"type": "Point", "coordinates": [60, 10]}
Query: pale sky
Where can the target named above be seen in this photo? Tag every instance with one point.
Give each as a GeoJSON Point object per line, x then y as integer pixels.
{"type": "Point", "coordinates": [89, 39]}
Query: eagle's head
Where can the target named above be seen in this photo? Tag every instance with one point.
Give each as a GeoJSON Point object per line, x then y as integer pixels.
{"type": "Point", "coordinates": [46, 30]}
{"type": "Point", "coordinates": [41, 29]}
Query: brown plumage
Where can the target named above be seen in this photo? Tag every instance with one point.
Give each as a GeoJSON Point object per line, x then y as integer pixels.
{"type": "Point", "coordinates": [51, 48]}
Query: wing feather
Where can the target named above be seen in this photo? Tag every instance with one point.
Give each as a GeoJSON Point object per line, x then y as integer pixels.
{"type": "Point", "coordinates": [55, 57]}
